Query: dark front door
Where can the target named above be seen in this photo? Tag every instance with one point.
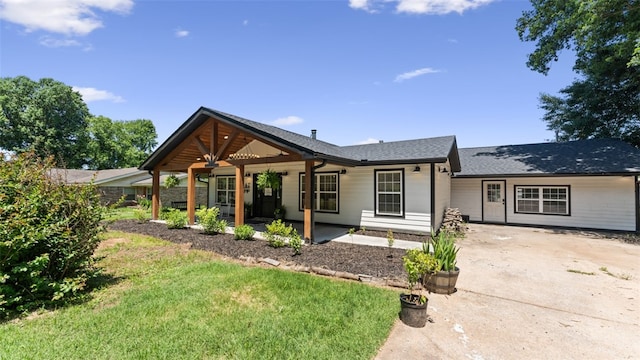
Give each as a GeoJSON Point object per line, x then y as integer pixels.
{"type": "Point", "coordinates": [265, 201]}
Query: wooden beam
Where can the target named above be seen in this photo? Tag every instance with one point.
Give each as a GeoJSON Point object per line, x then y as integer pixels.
{"type": "Point", "coordinates": [267, 160]}
{"type": "Point", "coordinates": [227, 143]}
{"type": "Point", "coordinates": [201, 146]}
{"type": "Point", "coordinates": [155, 194]}
{"type": "Point", "coordinates": [191, 196]}
{"type": "Point", "coordinates": [308, 200]}
{"type": "Point", "coordinates": [239, 216]}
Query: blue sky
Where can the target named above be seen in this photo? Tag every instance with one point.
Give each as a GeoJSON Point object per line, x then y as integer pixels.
{"type": "Point", "coordinates": [357, 71]}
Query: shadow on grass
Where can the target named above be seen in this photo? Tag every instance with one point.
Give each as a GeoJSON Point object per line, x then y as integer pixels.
{"type": "Point", "coordinates": [95, 283]}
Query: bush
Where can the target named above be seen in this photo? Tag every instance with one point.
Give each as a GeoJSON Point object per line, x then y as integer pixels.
{"type": "Point", "coordinates": [143, 202]}
{"type": "Point", "coordinates": [279, 234]}
{"type": "Point", "coordinates": [176, 219]}
{"type": "Point", "coordinates": [244, 232]}
{"type": "Point", "coordinates": [164, 212]}
{"type": "Point", "coordinates": [48, 233]}
{"type": "Point", "coordinates": [141, 215]}
{"type": "Point", "coordinates": [208, 219]}
{"type": "Point", "coordinates": [295, 241]}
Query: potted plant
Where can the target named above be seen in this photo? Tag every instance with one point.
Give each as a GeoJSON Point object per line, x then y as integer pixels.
{"type": "Point", "coordinates": [442, 280]}
{"type": "Point", "coordinates": [248, 207]}
{"type": "Point", "coordinates": [279, 212]}
{"type": "Point", "coordinates": [268, 179]}
{"type": "Point", "coordinates": [413, 307]}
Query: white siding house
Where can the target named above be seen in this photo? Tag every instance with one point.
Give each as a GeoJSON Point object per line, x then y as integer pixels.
{"type": "Point", "coordinates": [582, 184]}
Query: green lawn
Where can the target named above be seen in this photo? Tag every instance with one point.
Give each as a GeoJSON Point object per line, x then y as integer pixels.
{"type": "Point", "coordinates": [166, 302]}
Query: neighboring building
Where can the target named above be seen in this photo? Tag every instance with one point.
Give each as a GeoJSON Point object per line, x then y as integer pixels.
{"type": "Point", "coordinates": [132, 183]}
{"type": "Point", "coordinates": [403, 185]}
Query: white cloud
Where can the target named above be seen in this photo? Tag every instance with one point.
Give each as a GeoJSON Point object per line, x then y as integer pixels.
{"type": "Point", "coordinates": [429, 7]}
{"type": "Point", "coordinates": [181, 33]}
{"type": "Point", "coordinates": [415, 73]}
{"type": "Point", "coordinates": [70, 17]}
{"type": "Point", "coordinates": [245, 23]}
{"type": "Point", "coordinates": [54, 43]}
{"type": "Point", "coordinates": [90, 94]}
{"type": "Point", "coordinates": [439, 7]}
{"type": "Point", "coordinates": [368, 141]}
{"type": "Point", "coordinates": [289, 120]}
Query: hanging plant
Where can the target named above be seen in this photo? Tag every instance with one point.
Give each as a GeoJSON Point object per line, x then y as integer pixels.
{"type": "Point", "coordinates": [171, 181]}
{"type": "Point", "coordinates": [268, 179]}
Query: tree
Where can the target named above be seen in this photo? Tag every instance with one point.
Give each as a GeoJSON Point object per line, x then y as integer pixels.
{"type": "Point", "coordinates": [605, 35]}
{"type": "Point", "coordinates": [46, 117]}
{"type": "Point", "coordinates": [119, 144]}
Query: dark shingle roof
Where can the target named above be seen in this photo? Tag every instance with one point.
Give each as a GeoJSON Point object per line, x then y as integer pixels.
{"type": "Point", "coordinates": [437, 149]}
{"type": "Point", "coordinates": [411, 151]}
{"type": "Point", "coordinates": [587, 157]}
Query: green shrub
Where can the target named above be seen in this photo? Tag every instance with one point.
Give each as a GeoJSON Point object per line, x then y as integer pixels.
{"type": "Point", "coordinates": [244, 232]}
{"type": "Point", "coordinates": [176, 219]}
{"type": "Point", "coordinates": [48, 233]}
{"type": "Point", "coordinates": [208, 218]}
{"type": "Point", "coordinates": [164, 212]}
{"type": "Point", "coordinates": [295, 241]}
{"type": "Point", "coordinates": [141, 215]}
{"type": "Point", "coordinates": [277, 227]}
{"type": "Point", "coordinates": [144, 203]}
{"type": "Point", "coordinates": [445, 250]}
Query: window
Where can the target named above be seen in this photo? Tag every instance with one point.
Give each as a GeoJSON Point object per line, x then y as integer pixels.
{"type": "Point", "coordinates": [326, 192]}
{"type": "Point", "coordinates": [552, 200]}
{"type": "Point", "coordinates": [389, 192]}
{"type": "Point", "coordinates": [493, 193]}
{"type": "Point", "coordinates": [225, 189]}
{"type": "Point", "coordinates": [129, 193]}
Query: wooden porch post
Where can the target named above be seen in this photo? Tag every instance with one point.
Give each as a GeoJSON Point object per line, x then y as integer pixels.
{"type": "Point", "coordinates": [308, 200]}
{"type": "Point", "coordinates": [155, 194]}
{"type": "Point", "coordinates": [239, 216]}
{"type": "Point", "coordinates": [191, 195]}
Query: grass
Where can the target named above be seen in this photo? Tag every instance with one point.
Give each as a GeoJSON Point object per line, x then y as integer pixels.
{"type": "Point", "coordinates": [165, 301]}
{"type": "Point", "coordinates": [580, 272]}
{"type": "Point", "coordinates": [619, 276]}
{"type": "Point", "coordinates": [121, 213]}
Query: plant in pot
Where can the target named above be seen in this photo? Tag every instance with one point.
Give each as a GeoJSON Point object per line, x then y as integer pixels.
{"type": "Point", "coordinates": [442, 280]}
{"type": "Point", "coordinates": [268, 179]}
{"type": "Point", "coordinates": [279, 212]}
{"type": "Point", "coordinates": [413, 307]}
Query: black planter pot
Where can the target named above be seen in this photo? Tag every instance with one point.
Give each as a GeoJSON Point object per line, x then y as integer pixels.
{"type": "Point", "coordinates": [442, 282]}
{"type": "Point", "coordinates": [412, 314]}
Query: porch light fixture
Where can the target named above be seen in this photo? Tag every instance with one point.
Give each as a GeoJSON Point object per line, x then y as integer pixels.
{"type": "Point", "coordinates": [416, 169]}
{"type": "Point", "coordinates": [247, 187]}
{"type": "Point", "coordinates": [284, 173]}
{"type": "Point", "coordinates": [343, 171]}
{"type": "Point", "coordinates": [443, 169]}
{"type": "Point", "coordinates": [247, 174]}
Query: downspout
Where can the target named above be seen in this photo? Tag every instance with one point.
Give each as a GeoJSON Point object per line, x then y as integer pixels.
{"type": "Point", "coordinates": [313, 192]}
{"type": "Point", "coordinates": [433, 196]}
{"type": "Point", "coordinates": [151, 174]}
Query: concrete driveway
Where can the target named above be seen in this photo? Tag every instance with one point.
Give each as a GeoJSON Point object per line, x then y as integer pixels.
{"type": "Point", "coordinates": [528, 293]}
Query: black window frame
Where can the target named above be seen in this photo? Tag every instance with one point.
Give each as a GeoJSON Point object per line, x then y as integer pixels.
{"type": "Point", "coordinates": [376, 212]}
{"type": "Point", "coordinates": [540, 199]}
{"type": "Point", "coordinates": [316, 192]}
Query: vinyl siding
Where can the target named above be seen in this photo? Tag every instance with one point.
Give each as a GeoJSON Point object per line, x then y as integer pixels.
{"type": "Point", "coordinates": [443, 193]}
{"type": "Point", "coordinates": [596, 202]}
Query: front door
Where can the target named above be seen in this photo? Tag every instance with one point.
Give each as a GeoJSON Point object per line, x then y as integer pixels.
{"type": "Point", "coordinates": [493, 204]}
{"type": "Point", "coordinates": [266, 200]}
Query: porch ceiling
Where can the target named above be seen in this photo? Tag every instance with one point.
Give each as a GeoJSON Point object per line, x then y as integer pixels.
{"type": "Point", "coordinates": [200, 143]}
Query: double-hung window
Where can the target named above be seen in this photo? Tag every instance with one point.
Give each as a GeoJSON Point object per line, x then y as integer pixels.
{"type": "Point", "coordinates": [225, 189]}
{"type": "Point", "coordinates": [389, 192]}
{"type": "Point", "coordinates": [552, 200]}
{"type": "Point", "coordinates": [326, 192]}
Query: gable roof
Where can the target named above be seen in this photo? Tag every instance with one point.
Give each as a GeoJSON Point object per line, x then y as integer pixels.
{"type": "Point", "coordinates": [99, 177]}
{"type": "Point", "coordinates": [581, 157]}
{"type": "Point", "coordinates": [412, 151]}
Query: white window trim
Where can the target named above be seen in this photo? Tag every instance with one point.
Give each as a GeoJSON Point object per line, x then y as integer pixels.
{"type": "Point", "coordinates": [541, 199]}
{"type": "Point", "coordinates": [377, 193]}
{"type": "Point", "coordinates": [317, 192]}
{"type": "Point", "coordinates": [227, 190]}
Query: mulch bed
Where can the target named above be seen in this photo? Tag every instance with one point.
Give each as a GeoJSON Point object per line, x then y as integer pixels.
{"type": "Point", "coordinates": [355, 259]}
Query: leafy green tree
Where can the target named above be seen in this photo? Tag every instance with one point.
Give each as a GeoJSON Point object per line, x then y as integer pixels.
{"type": "Point", "coordinates": [119, 144]}
{"type": "Point", "coordinates": [605, 35]}
{"type": "Point", "coordinates": [46, 117]}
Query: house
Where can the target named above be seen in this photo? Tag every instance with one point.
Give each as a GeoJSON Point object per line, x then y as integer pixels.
{"type": "Point", "coordinates": [583, 184]}
{"type": "Point", "coordinates": [402, 185]}
{"type": "Point", "coordinates": [132, 183]}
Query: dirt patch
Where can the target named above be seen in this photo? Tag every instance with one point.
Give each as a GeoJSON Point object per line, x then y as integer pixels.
{"type": "Point", "coordinates": [105, 244]}
{"type": "Point", "coordinates": [532, 293]}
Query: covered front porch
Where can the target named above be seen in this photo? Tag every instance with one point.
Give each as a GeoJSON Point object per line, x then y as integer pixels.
{"type": "Point", "coordinates": [211, 142]}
